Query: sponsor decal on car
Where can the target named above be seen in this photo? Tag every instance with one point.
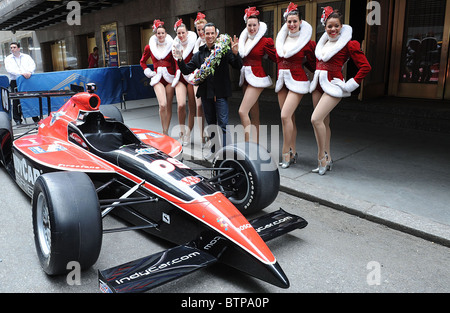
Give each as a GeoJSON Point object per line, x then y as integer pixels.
{"type": "Point", "coordinates": [47, 148]}
{"type": "Point", "coordinates": [78, 140]}
{"type": "Point", "coordinates": [56, 116]}
{"type": "Point", "coordinates": [222, 223]}
{"type": "Point", "coordinates": [146, 151]}
{"type": "Point", "coordinates": [144, 136]}
{"type": "Point", "coordinates": [191, 180]}
{"type": "Point", "coordinates": [26, 174]}
{"type": "Point", "coordinates": [104, 287]}
{"type": "Point", "coordinates": [158, 267]}
{"type": "Point", "coordinates": [212, 243]}
{"type": "Point", "coordinates": [274, 223]}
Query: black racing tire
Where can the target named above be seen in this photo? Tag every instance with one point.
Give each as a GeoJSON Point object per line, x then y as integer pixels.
{"type": "Point", "coordinates": [67, 221]}
{"type": "Point", "coordinates": [254, 182]}
{"type": "Point", "coordinates": [110, 111]}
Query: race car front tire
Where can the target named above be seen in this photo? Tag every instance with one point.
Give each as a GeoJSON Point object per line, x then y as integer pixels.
{"type": "Point", "coordinates": [254, 182]}
{"type": "Point", "coordinates": [67, 221]}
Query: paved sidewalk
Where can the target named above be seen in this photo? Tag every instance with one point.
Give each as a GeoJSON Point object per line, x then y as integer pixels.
{"type": "Point", "coordinates": [396, 177]}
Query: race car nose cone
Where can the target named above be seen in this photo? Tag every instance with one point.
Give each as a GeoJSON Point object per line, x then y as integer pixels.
{"type": "Point", "coordinates": [279, 277]}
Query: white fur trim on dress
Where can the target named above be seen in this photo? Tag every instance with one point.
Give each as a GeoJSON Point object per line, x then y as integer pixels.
{"type": "Point", "coordinates": [255, 81]}
{"type": "Point", "coordinates": [285, 78]}
{"type": "Point", "coordinates": [351, 85]}
{"type": "Point", "coordinates": [176, 78]}
{"type": "Point", "coordinates": [157, 53]}
{"type": "Point", "coordinates": [302, 40]}
{"type": "Point", "coordinates": [333, 90]}
{"type": "Point", "coordinates": [346, 36]}
{"type": "Point", "coordinates": [244, 51]}
{"type": "Point", "coordinates": [161, 72]}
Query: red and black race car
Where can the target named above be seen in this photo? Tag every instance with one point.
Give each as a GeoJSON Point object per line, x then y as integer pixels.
{"type": "Point", "coordinates": [82, 163]}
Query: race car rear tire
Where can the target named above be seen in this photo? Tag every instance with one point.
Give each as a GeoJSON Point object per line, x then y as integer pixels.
{"type": "Point", "coordinates": [256, 180]}
{"type": "Point", "coordinates": [67, 221]}
{"type": "Point", "coordinates": [110, 111]}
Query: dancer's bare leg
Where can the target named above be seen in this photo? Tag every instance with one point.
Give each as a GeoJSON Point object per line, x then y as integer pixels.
{"type": "Point", "coordinates": [181, 93]}
{"type": "Point", "coordinates": [250, 104]}
{"type": "Point", "coordinates": [192, 107]}
{"type": "Point", "coordinates": [320, 121]}
{"type": "Point", "coordinates": [290, 104]}
{"type": "Point", "coordinates": [160, 92]}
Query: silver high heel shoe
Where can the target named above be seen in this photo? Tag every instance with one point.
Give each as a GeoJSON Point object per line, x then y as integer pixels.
{"type": "Point", "coordinates": [329, 165]}
{"type": "Point", "coordinates": [323, 169]}
{"type": "Point", "coordinates": [186, 139]}
{"type": "Point", "coordinates": [292, 159]}
{"type": "Point", "coordinates": [286, 160]}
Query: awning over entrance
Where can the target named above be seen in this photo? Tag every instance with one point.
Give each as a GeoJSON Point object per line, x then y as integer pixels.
{"type": "Point", "coordinates": [37, 14]}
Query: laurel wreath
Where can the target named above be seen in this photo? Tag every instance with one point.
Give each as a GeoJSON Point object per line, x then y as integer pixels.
{"type": "Point", "coordinates": [221, 47]}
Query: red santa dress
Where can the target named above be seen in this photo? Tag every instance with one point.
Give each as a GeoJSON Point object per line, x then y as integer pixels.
{"type": "Point", "coordinates": [163, 61]}
{"type": "Point", "coordinates": [291, 52]}
{"type": "Point", "coordinates": [188, 52]}
{"type": "Point", "coordinates": [331, 57]}
{"type": "Point", "coordinates": [252, 51]}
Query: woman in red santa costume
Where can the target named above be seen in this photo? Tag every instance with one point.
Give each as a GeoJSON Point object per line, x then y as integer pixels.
{"type": "Point", "coordinates": [159, 50]}
{"type": "Point", "coordinates": [184, 41]}
{"type": "Point", "coordinates": [293, 44]}
{"type": "Point", "coordinates": [328, 87]}
{"type": "Point", "coordinates": [253, 46]}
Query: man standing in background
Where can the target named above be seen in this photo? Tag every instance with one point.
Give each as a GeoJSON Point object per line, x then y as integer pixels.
{"type": "Point", "coordinates": [17, 64]}
{"type": "Point", "coordinates": [93, 58]}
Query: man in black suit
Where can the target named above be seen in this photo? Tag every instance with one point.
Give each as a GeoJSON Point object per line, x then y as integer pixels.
{"type": "Point", "coordinates": [216, 88]}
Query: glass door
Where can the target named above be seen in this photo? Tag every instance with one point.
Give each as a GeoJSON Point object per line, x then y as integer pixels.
{"type": "Point", "coordinates": [420, 49]}
{"type": "Point", "coordinates": [59, 59]}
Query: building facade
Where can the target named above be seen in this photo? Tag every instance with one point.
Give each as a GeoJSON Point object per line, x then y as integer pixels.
{"type": "Point", "coordinates": [406, 42]}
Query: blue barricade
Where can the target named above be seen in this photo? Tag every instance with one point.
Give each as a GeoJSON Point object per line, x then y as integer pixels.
{"type": "Point", "coordinates": [4, 82]}
{"type": "Point", "coordinates": [112, 83]}
{"type": "Point", "coordinates": [135, 84]}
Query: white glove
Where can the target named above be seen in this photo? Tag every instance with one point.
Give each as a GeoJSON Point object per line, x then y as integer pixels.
{"type": "Point", "coordinates": [149, 73]}
{"type": "Point", "coordinates": [349, 86]}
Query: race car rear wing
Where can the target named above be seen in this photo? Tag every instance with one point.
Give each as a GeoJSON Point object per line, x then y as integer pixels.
{"type": "Point", "coordinates": [7, 97]}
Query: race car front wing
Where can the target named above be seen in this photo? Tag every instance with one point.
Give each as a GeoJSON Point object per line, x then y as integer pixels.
{"type": "Point", "coordinates": [151, 271]}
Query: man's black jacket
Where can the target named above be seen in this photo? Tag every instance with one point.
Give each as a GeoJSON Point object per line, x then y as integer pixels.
{"type": "Point", "coordinates": [219, 84]}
